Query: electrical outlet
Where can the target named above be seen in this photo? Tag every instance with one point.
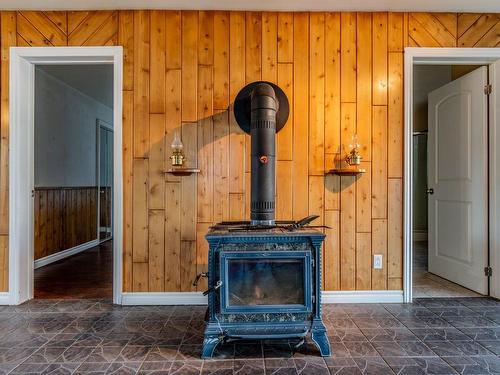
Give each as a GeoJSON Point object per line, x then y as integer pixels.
{"type": "Point", "coordinates": [377, 261]}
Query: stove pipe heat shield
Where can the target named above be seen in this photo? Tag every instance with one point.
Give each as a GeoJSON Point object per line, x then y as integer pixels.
{"type": "Point", "coordinates": [261, 110]}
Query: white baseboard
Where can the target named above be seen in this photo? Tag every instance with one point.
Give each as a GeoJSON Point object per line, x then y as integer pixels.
{"type": "Point", "coordinates": [4, 298]}
{"type": "Point", "coordinates": [362, 296]}
{"type": "Point", "coordinates": [419, 235]}
{"type": "Point", "coordinates": [197, 298]}
{"type": "Point", "coordinates": [65, 253]}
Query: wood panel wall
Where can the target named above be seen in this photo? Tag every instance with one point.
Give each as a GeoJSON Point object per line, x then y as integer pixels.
{"type": "Point", "coordinates": [64, 218]}
{"type": "Point", "coordinates": [342, 72]}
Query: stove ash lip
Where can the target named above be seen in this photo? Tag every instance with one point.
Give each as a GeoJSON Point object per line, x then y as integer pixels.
{"type": "Point", "coordinates": [261, 110]}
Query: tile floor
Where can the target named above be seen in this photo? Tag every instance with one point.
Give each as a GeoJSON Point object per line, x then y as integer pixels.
{"type": "Point", "coordinates": [426, 284]}
{"type": "Point", "coordinates": [431, 336]}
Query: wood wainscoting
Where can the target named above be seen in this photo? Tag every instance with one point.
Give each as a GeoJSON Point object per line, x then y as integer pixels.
{"type": "Point", "coordinates": [65, 217]}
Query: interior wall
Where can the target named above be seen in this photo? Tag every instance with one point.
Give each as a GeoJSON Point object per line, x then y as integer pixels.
{"type": "Point", "coordinates": [65, 133]}
{"type": "Point", "coordinates": [343, 73]}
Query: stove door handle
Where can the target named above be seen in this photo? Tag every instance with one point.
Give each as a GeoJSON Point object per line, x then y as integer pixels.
{"type": "Point", "coordinates": [213, 288]}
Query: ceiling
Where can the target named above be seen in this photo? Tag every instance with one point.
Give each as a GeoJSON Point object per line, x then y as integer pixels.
{"type": "Point", "coordinates": [278, 5]}
{"type": "Point", "coordinates": [95, 81]}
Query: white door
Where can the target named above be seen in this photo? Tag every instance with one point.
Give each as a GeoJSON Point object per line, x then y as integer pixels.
{"type": "Point", "coordinates": [458, 181]}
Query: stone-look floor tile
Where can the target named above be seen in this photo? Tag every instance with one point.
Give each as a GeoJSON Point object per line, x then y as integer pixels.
{"type": "Point", "coordinates": [277, 351]}
{"type": "Point", "coordinates": [60, 368]}
{"type": "Point", "coordinates": [162, 353]}
{"type": "Point", "coordinates": [339, 350]}
{"type": "Point", "coordinates": [343, 323]}
{"type": "Point", "coordinates": [419, 365]}
{"type": "Point", "coordinates": [403, 348]}
{"type": "Point", "coordinates": [46, 354]}
{"type": "Point", "coordinates": [281, 371]}
{"type": "Point", "coordinates": [479, 302]}
{"type": "Point", "coordinates": [489, 334]}
{"type": "Point", "coordinates": [93, 368]}
{"type": "Point", "coordinates": [475, 365]}
{"type": "Point", "coordinates": [349, 334]}
{"type": "Point", "coordinates": [424, 322]}
{"type": "Point", "coordinates": [311, 366]}
{"type": "Point", "coordinates": [15, 355]}
{"type": "Point", "coordinates": [440, 334]}
{"type": "Point", "coordinates": [88, 339]}
{"type": "Point", "coordinates": [360, 349]}
{"type": "Point", "coordinates": [389, 334]}
{"type": "Point", "coordinates": [469, 321]}
{"type": "Point", "coordinates": [133, 353]}
{"type": "Point", "coordinates": [123, 368]}
{"type": "Point", "coordinates": [377, 322]}
{"type": "Point", "coordinates": [157, 368]}
{"type": "Point", "coordinates": [453, 311]}
{"type": "Point", "coordinates": [344, 366]}
{"type": "Point", "coordinates": [192, 367]}
{"type": "Point", "coordinates": [242, 350]}
{"type": "Point", "coordinates": [456, 348]}
{"type": "Point", "coordinates": [104, 354]}
{"type": "Point", "coordinates": [224, 351]}
{"type": "Point", "coordinates": [493, 346]}
{"type": "Point", "coordinates": [439, 302]}
{"type": "Point", "coordinates": [373, 366]}
{"type": "Point", "coordinates": [64, 340]}
{"type": "Point", "coordinates": [75, 354]}
{"type": "Point", "coordinates": [217, 367]}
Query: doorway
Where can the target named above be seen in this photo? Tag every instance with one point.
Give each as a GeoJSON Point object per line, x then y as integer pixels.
{"type": "Point", "coordinates": [451, 189]}
{"type": "Point", "coordinates": [23, 65]}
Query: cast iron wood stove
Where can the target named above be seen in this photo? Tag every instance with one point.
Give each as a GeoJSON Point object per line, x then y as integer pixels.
{"type": "Point", "coordinates": [264, 277]}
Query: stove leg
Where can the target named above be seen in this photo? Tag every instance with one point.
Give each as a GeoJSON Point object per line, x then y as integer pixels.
{"type": "Point", "coordinates": [211, 340]}
{"type": "Point", "coordinates": [318, 335]}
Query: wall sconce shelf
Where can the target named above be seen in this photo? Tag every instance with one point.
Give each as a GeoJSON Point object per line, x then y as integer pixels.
{"type": "Point", "coordinates": [347, 171]}
{"type": "Point", "coordinates": [182, 171]}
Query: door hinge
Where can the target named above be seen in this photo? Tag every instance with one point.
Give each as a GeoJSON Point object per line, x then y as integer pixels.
{"type": "Point", "coordinates": [488, 271]}
{"type": "Point", "coordinates": [488, 89]}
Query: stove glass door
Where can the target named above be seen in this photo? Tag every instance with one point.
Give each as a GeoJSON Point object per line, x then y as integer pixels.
{"type": "Point", "coordinates": [266, 281]}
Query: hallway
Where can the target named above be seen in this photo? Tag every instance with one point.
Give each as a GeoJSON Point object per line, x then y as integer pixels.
{"type": "Point", "coordinates": [83, 276]}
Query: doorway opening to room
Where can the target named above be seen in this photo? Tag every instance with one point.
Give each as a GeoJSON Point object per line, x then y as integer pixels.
{"type": "Point", "coordinates": [73, 138]}
{"type": "Point", "coordinates": [65, 173]}
{"type": "Point", "coordinates": [451, 201]}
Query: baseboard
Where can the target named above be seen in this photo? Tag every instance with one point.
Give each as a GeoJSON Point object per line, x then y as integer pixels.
{"type": "Point", "coordinates": [65, 253]}
{"type": "Point", "coordinates": [4, 298]}
{"type": "Point", "coordinates": [197, 298]}
{"type": "Point", "coordinates": [419, 235]}
{"type": "Point", "coordinates": [362, 296]}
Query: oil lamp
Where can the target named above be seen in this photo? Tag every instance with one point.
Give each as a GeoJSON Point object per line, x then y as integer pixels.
{"type": "Point", "coordinates": [177, 157]}
{"type": "Point", "coordinates": [354, 157]}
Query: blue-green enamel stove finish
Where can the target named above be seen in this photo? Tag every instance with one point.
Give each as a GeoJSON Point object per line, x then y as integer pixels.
{"type": "Point", "coordinates": [268, 321]}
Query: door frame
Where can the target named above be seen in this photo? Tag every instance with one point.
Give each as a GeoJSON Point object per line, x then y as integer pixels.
{"type": "Point", "coordinates": [452, 56]}
{"type": "Point", "coordinates": [104, 125]}
{"type": "Point", "coordinates": [21, 158]}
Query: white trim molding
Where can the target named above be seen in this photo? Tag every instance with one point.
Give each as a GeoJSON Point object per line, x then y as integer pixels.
{"type": "Point", "coordinates": [480, 6]}
{"type": "Point", "coordinates": [21, 159]}
{"type": "Point", "coordinates": [327, 297]}
{"type": "Point", "coordinates": [4, 298]}
{"type": "Point", "coordinates": [65, 253]}
{"type": "Point", "coordinates": [432, 56]}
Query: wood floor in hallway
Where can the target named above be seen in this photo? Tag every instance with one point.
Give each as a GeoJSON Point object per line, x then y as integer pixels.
{"type": "Point", "coordinates": [82, 276]}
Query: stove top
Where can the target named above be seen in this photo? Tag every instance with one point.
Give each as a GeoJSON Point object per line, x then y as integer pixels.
{"type": "Point", "coordinates": [280, 226]}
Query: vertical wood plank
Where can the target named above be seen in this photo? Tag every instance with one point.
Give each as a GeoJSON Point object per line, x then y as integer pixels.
{"type": "Point", "coordinates": [173, 39]}
{"type": "Point", "coordinates": [300, 179]}
{"type": "Point", "coordinates": [140, 211]}
{"type": "Point", "coordinates": [284, 139]}
{"type": "Point", "coordinates": [158, 56]}
{"type": "Point", "coordinates": [269, 47]}
{"type": "Point", "coordinates": [379, 246]}
{"type": "Point", "coordinates": [141, 277]}
{"type": "Point", "coordinates": [285, 37]}
{"type": "Point", "coordinates": [156, 161]}
{"type": "Point", "coordinates": [379, 162]}
{"type": "Point", "coordinates": [395, 31]}
{"type": "Point", "coordinates": [380, 45]}
{"type": "Point", "coordinates": [364, 200]}
{"type": "Point", "coordinates": [284, 201]}
{"type": "Point", "coordinates": [202, 254]}
{"type": "Point", "coordinates": [206, 38]}
{"type": "Point", "coordinates": [127, 155]}
{"type": "Point", "coordinates": [156, 258]}
{"type": "Point", "coordinates": [348, 57]}
{"type": "Point", "coordinates": [126, 40]}
{"type": "Point", "coordinates": [395, 229]}
{"type": "Point", "coordinates": [188, 265]}
{"type": "Point", "coordinates": [141, 83]}
{"type": "Point", "coordinates": [317, 96]}
{"type": "Point", "coordinates": [316, 198]}
{"type": "Point", "coordinates": [395, 115]}
{"type": "Point", "coordinates": [172, 236]}
{"type": "Point", "coordinates": [205, 145]}
{"type": "Point", "coordinates": [363, 261]}
{"type": "Point", "coordinates": [221, 61]}
{"type": "Point", "coordinates": [4, 263]}
{"type": "Point", "coordinates": [332, 250]}
{"type": "Point", "coordinates": [221, 167]}
{"type": "Point", "coordinates": [172, 115]}
{"type": "Point", "coordinates": [189, 65]}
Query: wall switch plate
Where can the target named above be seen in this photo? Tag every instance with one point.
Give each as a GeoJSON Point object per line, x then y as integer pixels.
{"type": "Point", "coordinates": [377, 261]}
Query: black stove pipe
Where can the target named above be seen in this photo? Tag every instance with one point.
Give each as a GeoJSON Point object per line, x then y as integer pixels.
{"type": "Point", "coordinates": [263, 131]}
{"type": "Point", "coordinates": [261, 110]}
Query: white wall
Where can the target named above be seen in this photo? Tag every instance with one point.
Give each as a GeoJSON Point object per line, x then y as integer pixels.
{"type": "Point", "coordinates": [65, 133]}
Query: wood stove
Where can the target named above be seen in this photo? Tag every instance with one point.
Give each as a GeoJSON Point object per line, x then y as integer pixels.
{"type": "Point", "coordinates": [264, 284]}
{"type": "Point", "coordinates": [264, 277]}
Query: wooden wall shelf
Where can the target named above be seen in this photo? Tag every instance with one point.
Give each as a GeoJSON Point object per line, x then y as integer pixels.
{"type": "Point", "coordinates": [347, 171]}
{"type": "Point", "coordinates": [182, 171]}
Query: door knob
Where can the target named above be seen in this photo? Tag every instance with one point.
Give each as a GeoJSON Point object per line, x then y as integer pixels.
{"type": "Point", "coordinates": [430, 191]}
